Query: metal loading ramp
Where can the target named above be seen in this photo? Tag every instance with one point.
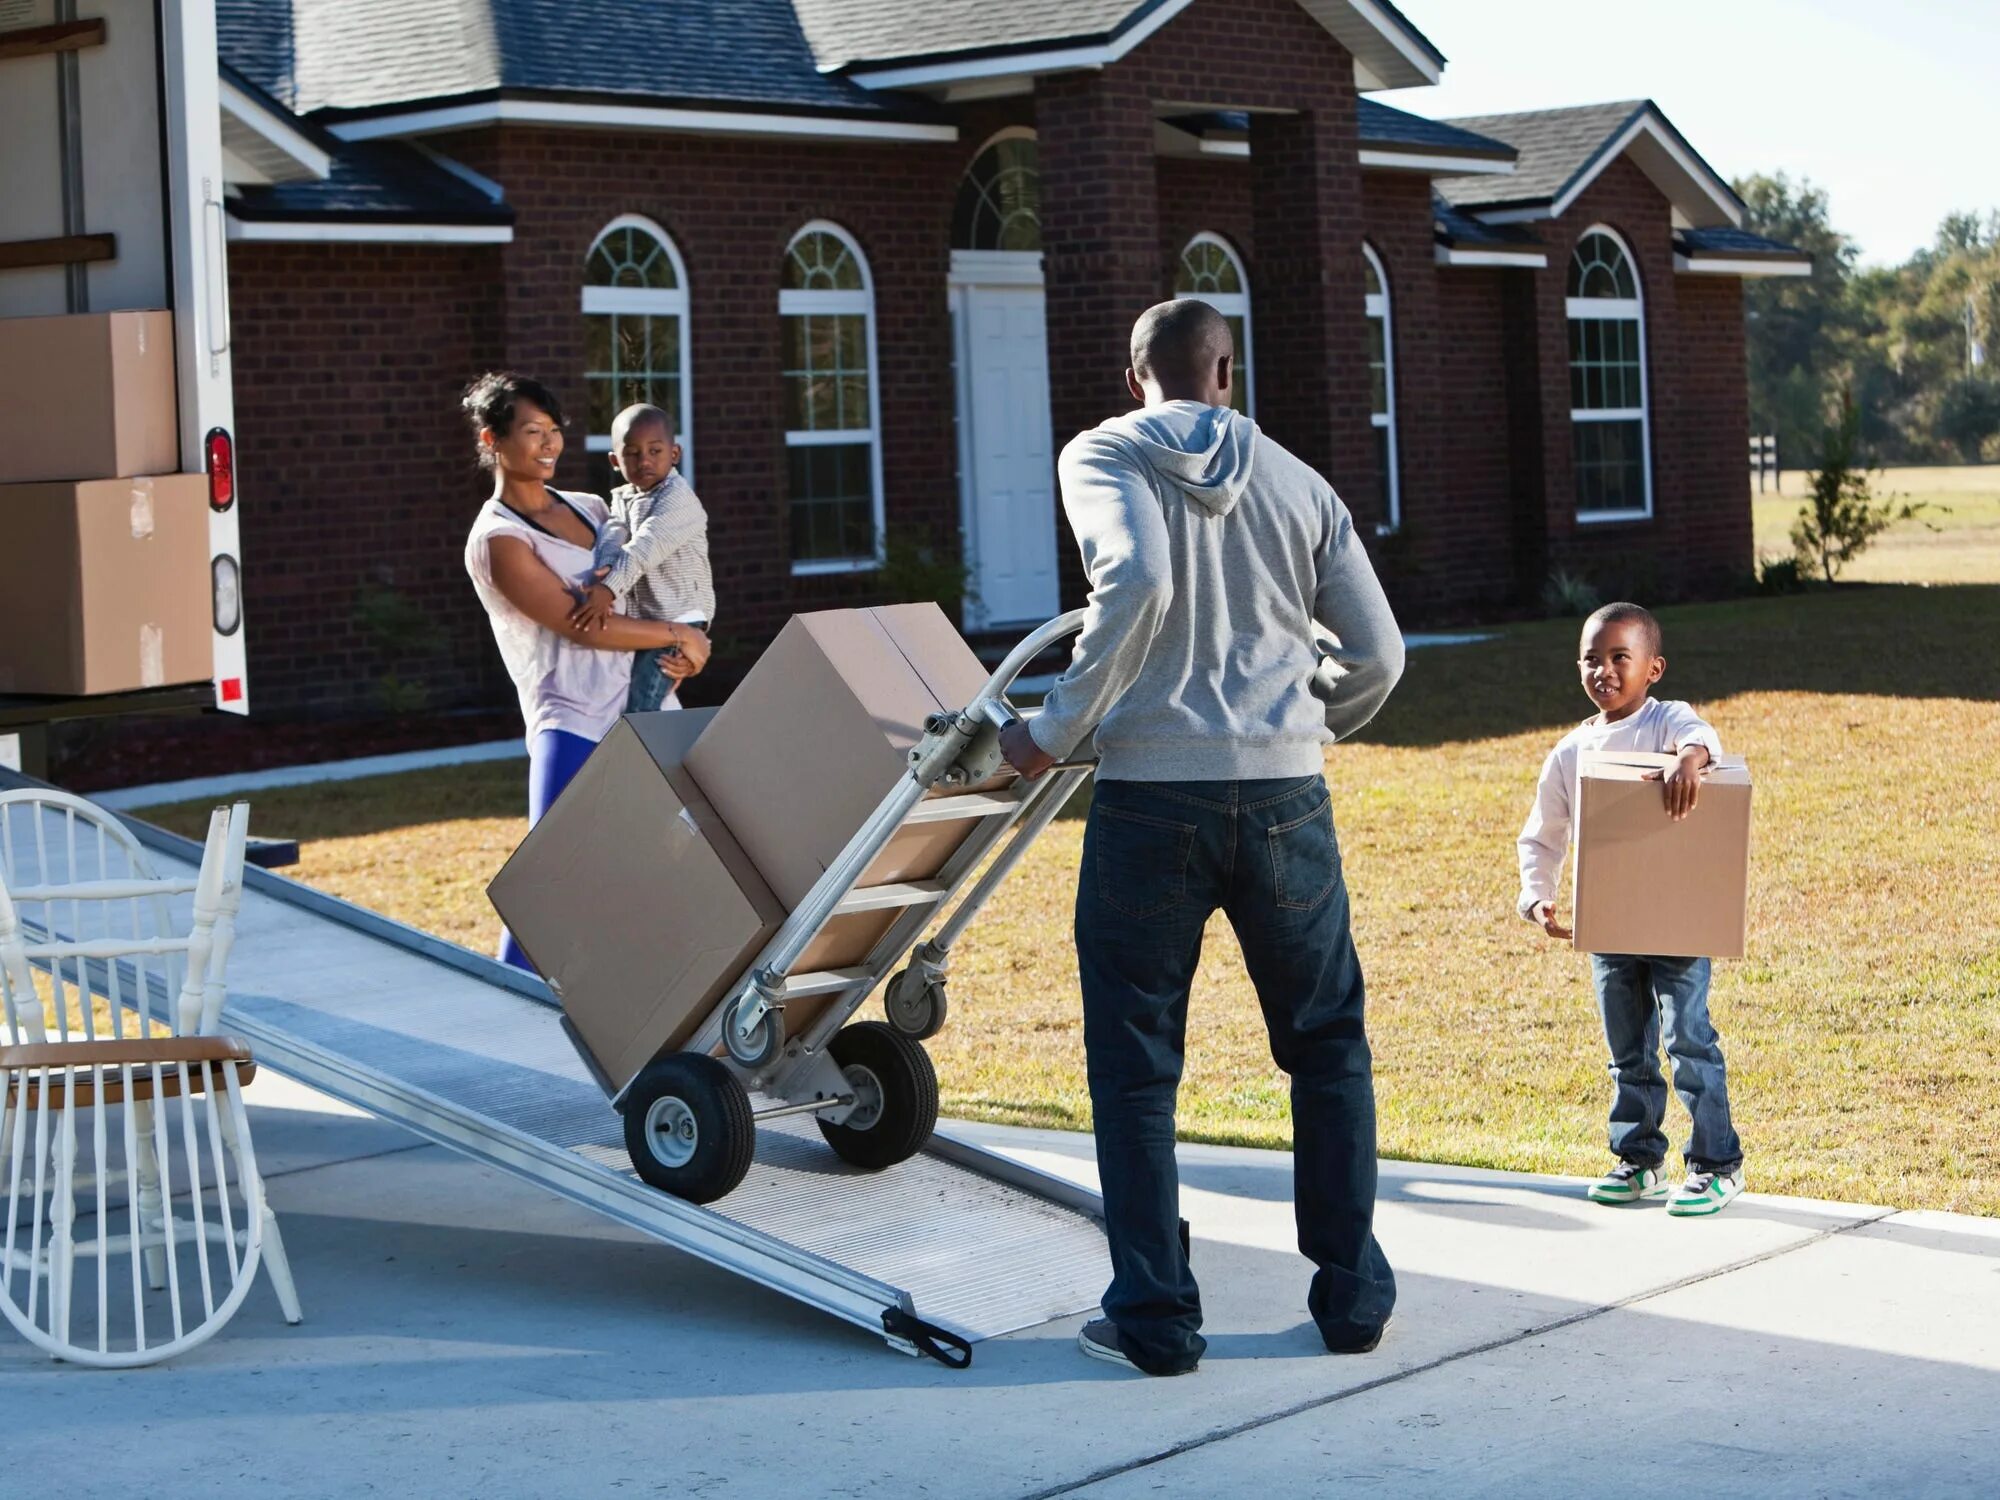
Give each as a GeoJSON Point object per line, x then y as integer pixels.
{"type": "Point", "coordinates": [471, 1055]}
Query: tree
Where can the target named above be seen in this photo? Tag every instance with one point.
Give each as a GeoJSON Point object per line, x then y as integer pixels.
{"type": "Point", "coordinates": [1841, 515]}
{"type": "Point", "coordinates": [1798, 329]}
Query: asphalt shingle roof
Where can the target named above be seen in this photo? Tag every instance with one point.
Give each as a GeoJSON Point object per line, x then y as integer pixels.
{"type": "Point", "coordinates": [1456, 227]}
{"type": "Point", "coordinates": [847, 33]}
{"type": "Point", "coordinates": [382, 182]}
{"type": "Point", "coordinates": [1380, 125]}
{"type": "Point", "coordinates": [1738, 244]}
{"type": "Point", "coordinates": [1555, 145]}
{"type": "Point", "coordinates": [359, 55]}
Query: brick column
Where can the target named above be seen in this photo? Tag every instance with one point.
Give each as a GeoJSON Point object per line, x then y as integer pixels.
{"type": "Point", "coordinates": [1309, 291]}
{"type": "Point", "coordinates": [1101, 253]}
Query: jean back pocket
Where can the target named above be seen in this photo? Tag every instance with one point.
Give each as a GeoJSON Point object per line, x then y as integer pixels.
{"type": "Point", "coordinates": [1305, 860]}
{"type": "Point", "coordinates": [1141, 861]}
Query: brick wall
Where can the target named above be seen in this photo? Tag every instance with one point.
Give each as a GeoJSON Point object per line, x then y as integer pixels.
{"type": "Point", "coordinates": [356, 468]}
{"type": "Point", "coordinates": [1697, 542]}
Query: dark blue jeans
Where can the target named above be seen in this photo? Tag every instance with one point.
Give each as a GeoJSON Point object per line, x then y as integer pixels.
{"type": "Point", "coordinates": [1158, 859]}
{"type": "Point", "coordinates": [1643, 1000]}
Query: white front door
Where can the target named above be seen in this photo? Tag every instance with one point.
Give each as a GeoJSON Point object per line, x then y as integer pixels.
{"type": "Point", "coordinates": [1006, 458]}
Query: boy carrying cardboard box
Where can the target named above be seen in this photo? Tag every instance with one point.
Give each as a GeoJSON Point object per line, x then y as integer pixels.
{"type": "Point", "coordinates": [1641, 998]}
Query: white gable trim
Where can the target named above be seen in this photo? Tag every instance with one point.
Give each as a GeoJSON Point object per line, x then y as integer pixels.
{"type": "Point", "coordinates": [274, 130]}
{"type": "Point", "coordinates": [636, 117]}
{"type": "Point", "coordinates": [1533, 260]}
{"type": "Point", "coordinates": [1385, 56]}
{"type": "Point", "coordinates": [1688, 185]}
{"type": "Point", "coordinates": [1718, 265]}
{"type": "Point", "coordinates": [352, 232]}
{"type": "Point", "coordinates": [1415, 159]}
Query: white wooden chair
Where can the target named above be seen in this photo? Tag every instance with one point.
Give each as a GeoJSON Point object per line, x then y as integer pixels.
{"type": "Point", "coordinates": [126, 1097]}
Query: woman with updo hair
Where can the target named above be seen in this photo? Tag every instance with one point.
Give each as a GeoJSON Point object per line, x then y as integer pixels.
{"type": "Point", "coordinates": [529, 547]}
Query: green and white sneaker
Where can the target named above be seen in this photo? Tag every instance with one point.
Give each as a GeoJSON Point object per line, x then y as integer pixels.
{"type": "Point", "coordinates": [1628, 1182]}
{"type": "Point", "coordinates": [1705, 1193]}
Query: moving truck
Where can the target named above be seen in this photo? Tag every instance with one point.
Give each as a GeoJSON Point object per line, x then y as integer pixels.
{"type": "Point", "coordinates": [118, 515]}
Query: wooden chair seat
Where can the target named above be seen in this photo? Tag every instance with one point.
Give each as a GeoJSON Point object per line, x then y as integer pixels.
{"type": "Point", "coordinates": [99, 1078]}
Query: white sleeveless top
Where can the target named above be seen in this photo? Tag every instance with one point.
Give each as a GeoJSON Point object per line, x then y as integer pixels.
{"type": "Point", "coordinates": [562, 685]}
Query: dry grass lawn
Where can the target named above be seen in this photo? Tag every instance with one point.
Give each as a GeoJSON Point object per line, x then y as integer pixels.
{"type": "Point", "coordinates": [1958, 541]}
{"type": "Point", "coordinates": [1863, 1035]}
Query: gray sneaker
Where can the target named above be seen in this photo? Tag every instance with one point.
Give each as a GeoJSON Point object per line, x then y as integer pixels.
{"type": "Point", "coordinates": [1099, 1340]}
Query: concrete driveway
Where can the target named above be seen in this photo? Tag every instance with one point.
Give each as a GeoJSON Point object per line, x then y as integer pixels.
{"type": "Point", "coordinates": [468, 1335]}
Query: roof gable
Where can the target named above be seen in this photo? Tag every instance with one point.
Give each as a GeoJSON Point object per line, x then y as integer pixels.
{"type": "Point", "coordinates": [1562, 151]}
{"type": "Point", "coordinates": [934, 43]}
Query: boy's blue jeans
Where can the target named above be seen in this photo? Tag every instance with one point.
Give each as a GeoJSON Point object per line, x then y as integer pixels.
{"type": "Point", "coordinates": [650, 686]}
{"type": "Point", "coordinates": [1642, 1000]}
{"type": "Point", "coordinates": [1158, 859]}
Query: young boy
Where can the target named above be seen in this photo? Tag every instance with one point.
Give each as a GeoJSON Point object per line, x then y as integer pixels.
{"type": "Point", "coordinates": [653, 553]}
{"type": "Point", "coordinates": [1640, 997]}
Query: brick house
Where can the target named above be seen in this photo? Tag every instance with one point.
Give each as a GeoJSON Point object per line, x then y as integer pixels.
{"type": "Point", "coordinates": [882, 257]}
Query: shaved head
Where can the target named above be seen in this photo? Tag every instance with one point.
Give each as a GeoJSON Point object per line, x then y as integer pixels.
{"type": "Point", "coordinates": [1178, 344]}
{"type": "Point", "coordinates": [1626, 613]}
{"type": "Point", "coordinates": [639, 416]}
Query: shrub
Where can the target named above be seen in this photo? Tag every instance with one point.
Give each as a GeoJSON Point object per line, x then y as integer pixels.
{"type": "Point", "coordinates": [913, 571]}
{"type": "Point", "coordinates": [1780, 575]}
{"type": "Point", "coordinates": [1568, 594]}
{"type": "Point", "coordinates": [1841, 515]}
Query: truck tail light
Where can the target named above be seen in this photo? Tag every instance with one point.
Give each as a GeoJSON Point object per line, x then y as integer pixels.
{"type": "Point", "coordinates": [221, 452]}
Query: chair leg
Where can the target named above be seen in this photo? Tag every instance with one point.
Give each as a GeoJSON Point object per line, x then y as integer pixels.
{"type": "Point", "coordinates": [280, 1267]}
{"type": "Point", "coordinates": [152, 1212]}
{"type": "Point", "coordinates": [275, 1260]}
{"type": "Point", "coordinates": [62, 1219]}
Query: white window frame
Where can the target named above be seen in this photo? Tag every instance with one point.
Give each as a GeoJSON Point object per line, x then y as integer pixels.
{"type": "Point", "coordinates": [1615, 309]}
{"type": "Point", "coordinates": [1230, 305]}
{"type": "Point", "coordinates": [1377, 305]}
{"type": "Point", "coordinates": [800, 303]}
{"type": "Point", "coordinates": [652, 302]}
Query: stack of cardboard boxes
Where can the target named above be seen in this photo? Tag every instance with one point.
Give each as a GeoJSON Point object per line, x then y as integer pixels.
{"type": "Point", "coordinates": [103, 544]}
{"type": "Point", "coordinates": [689, 836]}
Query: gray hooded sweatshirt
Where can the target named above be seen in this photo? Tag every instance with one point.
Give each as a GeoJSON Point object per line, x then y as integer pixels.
{"type": "Point", "coordinates": [1212, 554]}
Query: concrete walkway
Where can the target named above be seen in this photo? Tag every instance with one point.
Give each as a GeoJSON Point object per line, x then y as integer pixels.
{"type": "Point", "coordinates": [467, 1335]}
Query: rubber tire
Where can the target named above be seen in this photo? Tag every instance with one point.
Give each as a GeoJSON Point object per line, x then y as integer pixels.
{"type": "Point", "coordinates": [936, 1006]}
{"type": "Point", "coordinates": [726, 1134]}
{"type": "Point", "coordinates": [909, 1096]}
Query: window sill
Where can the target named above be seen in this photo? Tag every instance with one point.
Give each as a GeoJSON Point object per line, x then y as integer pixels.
{"type": "Point", "coordinates": [1611, 517]}
{"type": "Point", "coordinates": [842, 565]}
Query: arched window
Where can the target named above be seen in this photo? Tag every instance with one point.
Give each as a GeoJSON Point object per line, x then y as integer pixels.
{"type": "Point", "coordinates": [1211, 271]}
{"type": "Point", "coordinates": [1611, 440]}
{"type": "Point", "coordinates": [1000, 200]}
{"type": "Point", "coordinates": [635, 316]}
{"type": "Point", "coordinates": [826, 304]}
{"type": "Point", "coordinates": [1382, 388]}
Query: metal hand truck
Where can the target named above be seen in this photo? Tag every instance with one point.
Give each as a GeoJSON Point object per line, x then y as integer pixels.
{"type": "Point", "coordinates": [691, 1116]}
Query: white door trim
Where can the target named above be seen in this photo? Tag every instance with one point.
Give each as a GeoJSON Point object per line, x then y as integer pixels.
{"type": "Point", "coordinates": [972, 269]}
{"type": "Point", "coordinates": [996, 268]}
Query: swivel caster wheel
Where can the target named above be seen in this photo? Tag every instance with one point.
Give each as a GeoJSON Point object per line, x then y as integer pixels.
{"type": "Point", "coordinates": [915, 1007]}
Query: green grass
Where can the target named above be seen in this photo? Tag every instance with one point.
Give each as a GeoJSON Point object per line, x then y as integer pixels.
{"type": "Point", "coordinates": [1863, 1032]}
{"type": "Point", "coordinates": [1956, 540]}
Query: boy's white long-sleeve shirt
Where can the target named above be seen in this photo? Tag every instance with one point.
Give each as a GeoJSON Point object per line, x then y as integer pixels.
{"type": "Point", "coordinates": [660, 567]}
{"type": "Point", "coordinates": [1660, 727]}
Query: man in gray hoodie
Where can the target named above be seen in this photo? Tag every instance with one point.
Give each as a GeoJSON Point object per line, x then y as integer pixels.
{"type": "Point", "coordinates": [1213, 554]}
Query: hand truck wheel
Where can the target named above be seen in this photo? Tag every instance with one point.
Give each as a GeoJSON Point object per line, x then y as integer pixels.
{"type": "Point", "coordinates": [763, 1046]}
{"type": "Point", "coordinates": [915, 1008]}
{"type": "Point", "coordinates": [895, 1096]}
{"type": "Point", "coordinates": [688, 1127]}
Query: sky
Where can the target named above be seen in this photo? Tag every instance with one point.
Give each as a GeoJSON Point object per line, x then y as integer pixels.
{"type": "Point", "coordinates": [1892, 106]}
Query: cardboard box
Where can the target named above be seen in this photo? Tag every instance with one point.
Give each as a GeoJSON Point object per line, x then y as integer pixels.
{"type": "Point", "coordinates": [819, 732]}
{"type": "Point", "coordinates": [88, 396]}
{"type": "Point", "coordinates": [635, 902]}
{"type": "Point", "coordinates": [1647, 884]}
{"type": "Point", "coordinates": [104, 585]}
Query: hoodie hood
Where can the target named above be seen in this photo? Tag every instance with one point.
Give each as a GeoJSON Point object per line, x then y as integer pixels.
{"type": "Point", "coordinates": [1206, 450]}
